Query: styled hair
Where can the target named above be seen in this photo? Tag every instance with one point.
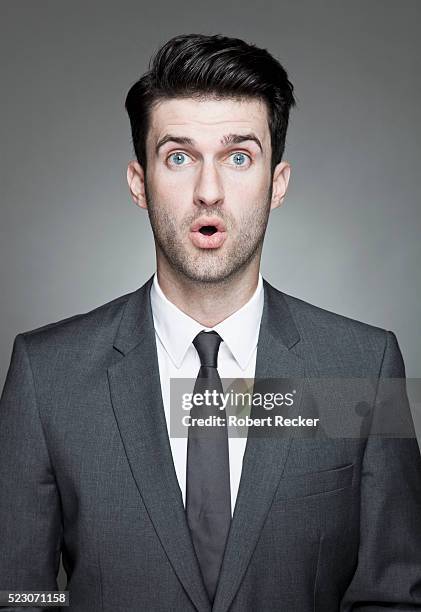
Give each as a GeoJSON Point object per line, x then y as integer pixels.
{"type": "Point", "coordinates": [200, 66]}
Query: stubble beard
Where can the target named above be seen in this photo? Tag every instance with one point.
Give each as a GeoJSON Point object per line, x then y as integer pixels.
{"type": "Point", "coordinates": [243, 243]}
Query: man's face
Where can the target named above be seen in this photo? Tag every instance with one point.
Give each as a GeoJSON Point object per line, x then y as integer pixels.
{"type": "Point", "coordinates": [208, 187]}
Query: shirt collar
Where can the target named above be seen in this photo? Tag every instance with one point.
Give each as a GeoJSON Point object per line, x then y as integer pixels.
{"type": "Point", "coordinates": [176, 330]}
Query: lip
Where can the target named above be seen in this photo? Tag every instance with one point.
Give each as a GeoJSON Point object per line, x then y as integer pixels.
{"type": "Point", "coordinates": [215, 221]}
{"type": "Point", "coordinates": [208, 242]}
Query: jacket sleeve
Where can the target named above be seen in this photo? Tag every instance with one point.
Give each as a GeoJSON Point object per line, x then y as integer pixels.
{"type": "Point", "coordinates": [30, 516]}
{"type": "Point", "coordinates": [388, 574]}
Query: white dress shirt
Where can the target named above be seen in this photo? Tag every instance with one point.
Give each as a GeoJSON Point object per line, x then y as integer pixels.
{"type": "Point", "coordinates": [178, 358]}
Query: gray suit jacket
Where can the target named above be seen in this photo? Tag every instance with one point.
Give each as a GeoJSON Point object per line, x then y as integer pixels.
{"type": "Point", "coordinates": [86, 468]}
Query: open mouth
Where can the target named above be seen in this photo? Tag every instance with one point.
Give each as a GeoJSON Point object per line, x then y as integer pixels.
{"type": "Point", "coordinates": [208, 230]}
{"type": "Point", "coordinates": [208, 233]}
{"type": "Point", "coordinates": [208, 226]}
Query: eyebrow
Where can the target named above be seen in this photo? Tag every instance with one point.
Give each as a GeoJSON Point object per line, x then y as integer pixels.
{"type": "Point", "coordinates": [239, 138]}
{"type": "Point", "coordinates": [225, 140]}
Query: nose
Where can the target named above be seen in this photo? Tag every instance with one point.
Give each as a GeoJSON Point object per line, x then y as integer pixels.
{"type": "Point", "coordinates": [208, 189]}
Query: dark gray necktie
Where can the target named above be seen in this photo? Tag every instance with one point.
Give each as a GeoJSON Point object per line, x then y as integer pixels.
{"type": "Point", "coordinates": [208, 495]}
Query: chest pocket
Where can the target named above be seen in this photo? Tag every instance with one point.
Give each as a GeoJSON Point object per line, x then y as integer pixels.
{"type": "Point", "coordinates": [314, 483]}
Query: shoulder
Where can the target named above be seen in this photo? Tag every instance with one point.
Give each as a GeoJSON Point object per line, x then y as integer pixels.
{"type": "Point", "coordinates": [335, 340]}
{"type": "Point", "coordinates": [84, 331]}
{"type": "Point", "coordinates": [308, 315]}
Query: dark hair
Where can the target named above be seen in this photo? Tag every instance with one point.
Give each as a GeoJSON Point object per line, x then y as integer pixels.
{"type": "Point", "coordinates": [196, 65]}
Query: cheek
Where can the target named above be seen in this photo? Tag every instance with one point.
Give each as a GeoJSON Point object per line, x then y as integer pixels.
{"type": "Point", "coordinates": [246, 187]}
{"type": "Point", "coordinates": [170, 187]}
{"type": "Point", "coordinates": [171, 206]}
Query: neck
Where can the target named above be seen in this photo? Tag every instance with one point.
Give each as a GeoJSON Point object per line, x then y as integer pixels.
{"type": "Point", "coordinates": [208, 303]}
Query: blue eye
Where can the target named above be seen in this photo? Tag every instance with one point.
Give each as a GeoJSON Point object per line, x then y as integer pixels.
{"type": "Point", "coordinates": [178, 158]}
{"type": "Point", "coordinates": [240, 159]}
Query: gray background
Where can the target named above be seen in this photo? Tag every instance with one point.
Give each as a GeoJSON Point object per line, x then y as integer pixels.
{"type": "Point", "coordinates": [348, 235]}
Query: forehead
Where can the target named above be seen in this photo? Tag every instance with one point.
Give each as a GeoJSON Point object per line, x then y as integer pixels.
{"type": "Point", "coordinates": [209, 117]}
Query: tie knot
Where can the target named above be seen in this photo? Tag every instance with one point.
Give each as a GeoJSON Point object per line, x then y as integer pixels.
{"type": "Point", "coordinates": [207, 345]}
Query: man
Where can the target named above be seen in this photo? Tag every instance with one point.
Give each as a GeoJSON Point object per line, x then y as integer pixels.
{"type": "Point", "coordinates": [150, 521]}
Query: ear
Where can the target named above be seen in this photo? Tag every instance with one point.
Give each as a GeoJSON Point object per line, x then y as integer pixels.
{"type": "Point", "coordinates": [136, 182]}
{"type": "Point", "coordinates": [280, 182]}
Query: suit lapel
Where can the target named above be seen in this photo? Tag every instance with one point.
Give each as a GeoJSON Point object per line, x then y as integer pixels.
{"type": "Point", "coordinates": [138, 407]}
{"type": "Point", "coordinates": [264, 457]}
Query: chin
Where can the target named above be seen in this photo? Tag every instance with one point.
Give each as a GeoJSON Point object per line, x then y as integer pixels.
{"type": "Point", "coordinates": [207, 274]}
